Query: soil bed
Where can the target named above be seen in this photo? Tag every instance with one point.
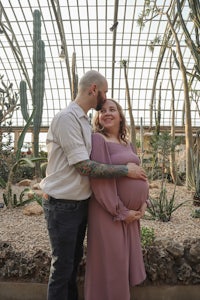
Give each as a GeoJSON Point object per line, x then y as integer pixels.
{"type": "Point", "coordinates": [29, 234]}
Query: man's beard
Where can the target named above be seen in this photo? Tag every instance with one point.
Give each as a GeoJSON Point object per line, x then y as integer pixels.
{"type": "Point", "coordinates": [100, 101]}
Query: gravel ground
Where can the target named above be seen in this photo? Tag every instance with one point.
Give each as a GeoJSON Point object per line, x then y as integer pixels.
{"type": "Point", "coordinates": [29, 234]}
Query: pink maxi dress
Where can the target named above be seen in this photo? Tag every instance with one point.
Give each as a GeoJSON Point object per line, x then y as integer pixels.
{"type": "Point", "coordinates": [114, 255]}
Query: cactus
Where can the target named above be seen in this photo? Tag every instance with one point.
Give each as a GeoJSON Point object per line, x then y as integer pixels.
{"type": "Point", "coordinates": [37, 91]}
{"type": "Point", "coordinates": [23, 100]}
{"type": "Point", "coordinates": [8, 101]}
{"type": "Point", "coordinates": [38, 94]}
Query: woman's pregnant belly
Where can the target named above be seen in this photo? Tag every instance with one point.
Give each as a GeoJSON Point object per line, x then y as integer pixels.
{"type": "Point", "coordinates": [132, 192]}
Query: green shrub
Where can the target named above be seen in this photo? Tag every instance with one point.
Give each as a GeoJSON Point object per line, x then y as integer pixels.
{"type": "Point", "coordinates": [147, 236]}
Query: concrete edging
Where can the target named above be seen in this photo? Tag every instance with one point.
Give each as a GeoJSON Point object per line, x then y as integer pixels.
{"type": "Point", "coordinates": [37, 291]}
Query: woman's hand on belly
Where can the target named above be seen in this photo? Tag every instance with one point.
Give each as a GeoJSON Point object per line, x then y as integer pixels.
{"type": "Point", "coordinates": [133, 216]}
{"type": "Point", "coordinates": [136, 214]}
{"type": "Point", "coordinates": [143, 209]}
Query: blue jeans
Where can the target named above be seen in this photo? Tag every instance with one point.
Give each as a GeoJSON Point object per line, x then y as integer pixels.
{"type": "Point", "coordinates": [66, 224]}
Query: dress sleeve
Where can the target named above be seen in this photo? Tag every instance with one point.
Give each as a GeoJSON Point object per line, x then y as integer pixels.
{"type": "Point", "coordinates": [104, 189]}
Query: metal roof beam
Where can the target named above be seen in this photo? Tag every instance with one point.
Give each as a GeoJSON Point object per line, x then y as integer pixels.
{"type": "Point", "coordinates": [114, 44]}
{"type": "Point", "coordinates": [10, 36]}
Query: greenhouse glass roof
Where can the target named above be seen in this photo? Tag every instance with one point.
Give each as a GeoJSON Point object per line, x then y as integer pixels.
{"type": "Point", "coordinates": [102, 34]}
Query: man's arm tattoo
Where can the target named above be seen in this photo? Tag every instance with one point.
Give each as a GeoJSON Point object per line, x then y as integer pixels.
{"type": "Point", "coordinates": [97, 170]}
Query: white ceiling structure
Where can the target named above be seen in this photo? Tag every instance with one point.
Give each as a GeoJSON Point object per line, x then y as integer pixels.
{"type": "Point", "coordinates": [84, 27]}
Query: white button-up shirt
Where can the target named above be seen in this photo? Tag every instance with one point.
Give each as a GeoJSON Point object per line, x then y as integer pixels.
{"type": "Point", "coordinates": [68, 142]}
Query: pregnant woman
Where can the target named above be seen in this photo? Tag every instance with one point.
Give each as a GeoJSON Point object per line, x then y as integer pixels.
{"type": "Point", "coordinates": [114, 254]}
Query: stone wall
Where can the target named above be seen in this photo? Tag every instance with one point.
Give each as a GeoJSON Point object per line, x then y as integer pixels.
{"type": "Point", "coordinates": [170, 263]}
{"type": "Point", "coordinates": [19, 266]}
{"type": "Point", "coordinates": [166, 262]}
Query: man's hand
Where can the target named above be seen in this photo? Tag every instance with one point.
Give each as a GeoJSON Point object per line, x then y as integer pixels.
{"type": "Point", "coordinates": [136, 172]}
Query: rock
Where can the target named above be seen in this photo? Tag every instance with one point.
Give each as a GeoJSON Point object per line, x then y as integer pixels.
{"type": "Point", "coordinates": [195, 251]}
{"type": "Point", "coordinates": [154, 186]}
{"type": "Point", "coordinates": [161, 266]}
{"type": "Point", "coordinates": [169, 262]}
{"type": "Point", "coordinates": [19, 265]}
{"type": "Point", "coordinates": [33, 209]}
{"type": "Point", "coordinates": [25, 182]}
{"type": "Point", "coordinates": [184, 272]}
{"type": "Point", "coordinates": [175, 249]}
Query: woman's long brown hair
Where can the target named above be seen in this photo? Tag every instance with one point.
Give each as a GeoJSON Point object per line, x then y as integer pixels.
{"type": "Point", "coordinates": [123, 129]}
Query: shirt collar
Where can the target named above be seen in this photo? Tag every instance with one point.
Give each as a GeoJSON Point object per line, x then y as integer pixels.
{"type": "Point", "coordinates": [79, 111]}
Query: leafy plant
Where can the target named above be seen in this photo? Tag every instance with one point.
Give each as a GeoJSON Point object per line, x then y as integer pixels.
{"type": "Point", "coordinates": [24, 172]}
{"type": "Point", "coordinates": [161, 146]}
{"type": "Point", "coordinates": [147, 236]}
{"type": "Point", "coordinates": [10, 199]}
{"type": "Point", "coordinates": [21, 201]}
{"type": "Point", "coordinates": [8, 101]}
{"type": "Point", "coordinates": [8, 105]}
{"type": "Point", "coordinates": [38, 199]}
{"type": "Point", "coordinates": [161, 208]}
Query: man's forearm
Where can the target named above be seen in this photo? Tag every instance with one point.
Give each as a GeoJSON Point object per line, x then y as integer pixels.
{"type": "Point", "coordinates": [97, 170]}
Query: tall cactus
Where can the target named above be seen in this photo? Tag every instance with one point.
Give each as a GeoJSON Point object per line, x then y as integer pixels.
{"type": "Point", "coordinates": [37, 91]}
{"type": "Point", "coordinates": [23, 100]}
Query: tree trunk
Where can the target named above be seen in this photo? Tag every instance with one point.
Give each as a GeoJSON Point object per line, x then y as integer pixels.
{"type": "Point", "coordinates": [132, 123]}
{"type": "Point", "coordinates": [188, 126]}
{"type": "Point", "coordinates": [173, 167]}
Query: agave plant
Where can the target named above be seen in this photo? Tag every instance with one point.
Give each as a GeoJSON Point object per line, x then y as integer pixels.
{"type": "Point", "coordinates": [161, 208]}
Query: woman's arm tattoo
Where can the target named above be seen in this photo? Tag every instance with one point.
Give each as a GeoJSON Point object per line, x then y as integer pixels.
{"type": "Point", "coordinates": [97, 170]}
